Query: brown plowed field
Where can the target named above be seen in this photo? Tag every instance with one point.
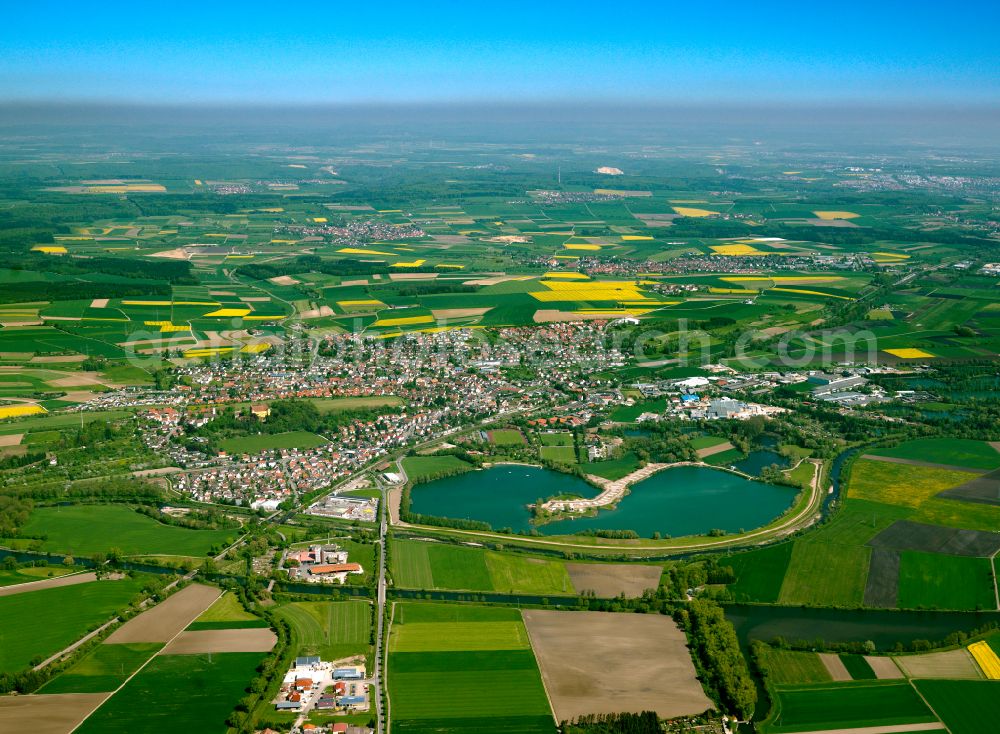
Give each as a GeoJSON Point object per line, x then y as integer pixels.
{"type": "Point", "coordinates": [56, 713]}
{"type": "Point", "coordinates": [239, 640]}
{"type": "Point", "coordinates": [600, 662]}
{"type": "Point", "coordinates": [166, 619]}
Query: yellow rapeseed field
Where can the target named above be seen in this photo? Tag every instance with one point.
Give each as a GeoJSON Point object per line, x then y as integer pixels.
{"type": "Point", "coordinates": [594, 290]}
{"type": "Point", "coordinates": [569, 275]}
{"type": "Point", "coordinates": [986, 659]}
{"type": "Point", "coordinates": [410, 264]}
{"type": "Point", "coordinates": [167, 327]}
{"type": "Point", "coordinates": [836, 215]}
{"type": "Point", "coordinates": [687, 211]}
{"type": "Point", "coordinates": [450, 266]}
{"type": "Point", "coordinates": [405, 321]}
{"type": "Point", "coordinates": [320, 220]}
{"type": "Point", "coordinates": [17, 411]}
{"type": "Point", "coordinates": [909, 353]}
{"type": "Point", "coordinates": [50, 249]}
{"type": "Point", "coordinates": [255, 348]}
{"type": "Point", "coordinates": [635, 237]}
{"type": "Point", "coordinates": [359, 251]}
{"type": "Point", "coordinates": [228, 313]}
{"type": "Point", "coordinates": [207, 351]}
{"type": "Point", "coordinates": [736, 249]}
{"type": "Point", "coordinates": [575, 246]}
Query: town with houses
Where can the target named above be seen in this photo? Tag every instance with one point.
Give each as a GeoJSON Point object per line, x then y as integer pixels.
{"type": "Point", "coordinates": [568, 385]}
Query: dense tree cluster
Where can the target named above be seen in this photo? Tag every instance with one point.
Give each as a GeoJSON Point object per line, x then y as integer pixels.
{"type": "Point", "coordinates": [14, 512]}
{"type": "Point", "coordinates": [718, 657]}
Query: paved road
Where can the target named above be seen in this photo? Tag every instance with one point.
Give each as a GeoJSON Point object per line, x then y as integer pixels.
{"type": "Point", "coordinates": [378, 676]}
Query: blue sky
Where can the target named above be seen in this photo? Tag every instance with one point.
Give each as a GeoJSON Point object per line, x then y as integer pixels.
{"type": "Point", "coordinates": [348, 52]}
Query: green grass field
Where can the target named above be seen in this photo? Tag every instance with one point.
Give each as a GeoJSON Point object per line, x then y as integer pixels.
{"type": "Point", "coordinates": [55, 421]}
{"type": "Point", "coordinates": [557, 438]}
{"type": "Point", "coordinates": [190, 693]}
{"type": "Point", "coordinates": [612, 468]}
{"type": "Point", "coordinates": [561, 454]}
{"type": "Point", "coordinates": [706, 442]}
{"type": "Point", "coordinates": [517, 574]}
{"type": "Point", "coordinates": [790, 667]}
{"type": "Point", "coordinates": [858, 667]}
{"type": "Point", "coordinates": [421, 565]}
{"type": "Point", "coordinates": [966, 707]}
{"type": "Point", "coordinates": [479, 655]}
{"type": "Point", "coordinates": [226, 613]}
{"type": "Point", "coordinates": [89, 529]}
{"type": "Point", "coordinates": [956, 451]}
{"type": "Point", "coordinates": [628, 413]}
{"type": "Point", "coordinates": [421, 468]}
{"type": "Point", "coordinates": [34, 573]}
{"type": "Point", "coordinates": [104, 669]}
{"type": "Point", "coordinates": [759, 573]}
{"type": "Point", "coordinates": [937, 581]}
{"type": "Point", "coordinates": [227, 608]}
{"type": "Point", "coordinates": [506, 437]}
{"type": "Point", "coordinates": [333, 405]}
{"type": "Point", "coordinates": [56, 618]}
{"type": "Point", "coordinates": [426, 636]}
{"type": "Point", "coordinates": [331, 630]}
{"type": "Point", "coordinates": [824, 574]}
{"type": "Point", "coordinates": [271, 442]}
{"type": "Point", "coordinates": [846, 705]}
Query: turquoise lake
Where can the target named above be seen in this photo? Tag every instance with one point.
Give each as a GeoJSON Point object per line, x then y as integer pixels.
{"type": "Point", "coordinates": [684, 500]}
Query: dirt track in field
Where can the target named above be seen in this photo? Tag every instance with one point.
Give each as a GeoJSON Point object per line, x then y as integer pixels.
{"type": "Point", "coordinates": [166, 619]}
{"type": "Point", "coordinates": [717, 449]}
{"type": "Point", "coordinates": [610, 580]}
{"type": "Point", "coordinates": [599, 662]}
{"type": "Point", "coordinates": [56, 713]}
{"type": "Point", "coordinates": [239, 640]}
